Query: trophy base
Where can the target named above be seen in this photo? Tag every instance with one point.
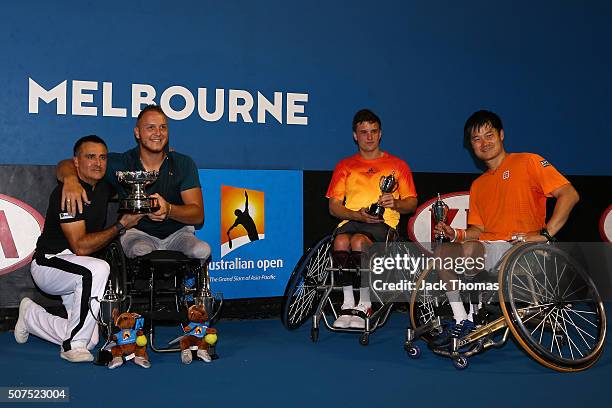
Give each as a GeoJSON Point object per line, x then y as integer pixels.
{"type": "Point", "coordinates": [103, 358]}
{"type": "Point", "coordinates": [138, 206]}
{"type": "Point", "coordinates": [376, 210]}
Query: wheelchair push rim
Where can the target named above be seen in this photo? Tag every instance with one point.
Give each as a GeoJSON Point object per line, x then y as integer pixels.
{"type": "Point", "coordinates": [302, 293]}
{"type": "Point", "coordinates": [552, 307]}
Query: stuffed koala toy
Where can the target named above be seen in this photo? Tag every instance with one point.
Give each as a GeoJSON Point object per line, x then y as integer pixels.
{"type": "Point", "coordinates": [131, 342]}
{"type": "Point", "coordinates": [197, 335]}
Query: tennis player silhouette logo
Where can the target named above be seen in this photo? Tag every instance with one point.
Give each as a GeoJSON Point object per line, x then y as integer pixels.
{"type": "Point", "coordinates": [242, 218]}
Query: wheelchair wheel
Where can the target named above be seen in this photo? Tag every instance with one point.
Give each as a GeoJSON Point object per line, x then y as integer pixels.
{"type": "Point", "coordinates": [552, 307]}
{"type": "Point", "coordinates": [302, 294]}
{"type": "Point", "coordinates": [428, 302]}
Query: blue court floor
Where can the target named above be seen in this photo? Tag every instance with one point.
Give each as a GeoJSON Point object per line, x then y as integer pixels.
{"type": "Point", "coordinates": [263, 364]}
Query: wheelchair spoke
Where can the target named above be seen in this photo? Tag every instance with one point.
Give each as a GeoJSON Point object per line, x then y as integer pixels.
{"type": "Point", "coordinates": [570, 342]}
{"type": "Point", "coordinates": [543, 269]}
{"type": "Point", "coordinates": [578, 329]}
{"type": "Point", "coordinates": [548, 295]}
{"type": "Point", "coordinates": [583, 311]}
{"type": "Point", "coordinates": [579, 289]}
{"type": "Point", "coordinates": [554, 339]}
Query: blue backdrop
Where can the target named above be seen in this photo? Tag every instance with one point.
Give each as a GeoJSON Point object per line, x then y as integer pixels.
{"type": "Point", "coordinates": [423, 66]}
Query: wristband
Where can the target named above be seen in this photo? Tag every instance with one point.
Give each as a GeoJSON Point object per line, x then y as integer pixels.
{"type": "Point", "coordinates": [169, 209]}
{"type": "Point", "coordinates": [120, 227]}
{"type": "Point", "coordinates": [544, 232]}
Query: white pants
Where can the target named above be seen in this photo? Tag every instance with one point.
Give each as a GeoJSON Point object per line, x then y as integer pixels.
{"type": "Point", "coordinates": [75, 279]}
{"type": "Point", "coordinates": [494, 251]}
{"type": "Point", "coordinates": [137, 243]}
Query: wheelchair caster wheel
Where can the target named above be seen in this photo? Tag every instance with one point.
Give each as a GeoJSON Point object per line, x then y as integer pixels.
{"type": "Point", "coordinates": [413, 351]}
{"type": "Point", "coordinates": [364, 339]}
{"type": "Point", "coordinates": [314, 334]}
{"type": "Point", "coordinates": [460, 363]}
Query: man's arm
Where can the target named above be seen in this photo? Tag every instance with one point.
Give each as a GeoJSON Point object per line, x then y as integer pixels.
{"type": "Point", "coordinates": [191, 212]}
{"type": "Point", "coordinates": [338, 210]}
{"type": "Point", "coordinates": [73, 194]}
{"type": "Point", "coordinates": [567, 197]}
{"type": "Point", "coordinates": [471, 233]}
{"type": "Point", "coordinates": [83, 243]}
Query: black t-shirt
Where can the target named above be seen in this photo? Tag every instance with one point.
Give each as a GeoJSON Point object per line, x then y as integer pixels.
{"type": "Point", "coordinates": [52, 240]}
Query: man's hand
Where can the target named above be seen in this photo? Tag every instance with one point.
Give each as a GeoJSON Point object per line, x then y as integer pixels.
{"type": "Point", "coordinates": [447, 230]}
{"type": "Point", "coordinates": [130, 220]}
{"type": "Point", "coordinates": [164, 209]}
{"type": "Point", "coordinates": [73, 196]}
{"type": "Point", "coordinates": [386, 200]}
{"type": "Point", "coordinates": [363, 216]}
{"type": "Point", "coordinates": [528, 237]}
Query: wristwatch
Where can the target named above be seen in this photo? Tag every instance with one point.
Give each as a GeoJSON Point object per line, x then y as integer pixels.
{"type": "Point", "coordinates": [544, 232]}
{"type": "Point", "coordinates": [120, 227]}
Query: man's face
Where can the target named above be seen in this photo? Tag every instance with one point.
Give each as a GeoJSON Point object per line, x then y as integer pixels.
{"type": "Point", "coordinates": [367, 135]}
{"type": "Point", "coordinates": [90, 162]}
{"type": "Point", "coordinates": [487, 142]}
{"type": "Point", "coordinates": [152, 132]}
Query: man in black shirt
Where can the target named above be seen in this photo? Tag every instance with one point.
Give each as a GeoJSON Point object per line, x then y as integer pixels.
{"type": "Point", "coordinates": [61, 265]}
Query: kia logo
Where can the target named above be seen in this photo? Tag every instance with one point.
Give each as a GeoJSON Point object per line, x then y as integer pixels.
{"type": "Point", "coordinates": [605, 225]}
{"type": "Point", "coordinates": [420, 227]}
{"type": "Point", "coordinates": [20, 227]}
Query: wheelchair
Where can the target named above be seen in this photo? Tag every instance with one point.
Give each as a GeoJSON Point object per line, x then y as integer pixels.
{"type": "Point", "coordinates": [543, 297]}
{"type": "Point", "coordinates": [311, 290]}
{"type": "Point", "coordinates": [160, 286]}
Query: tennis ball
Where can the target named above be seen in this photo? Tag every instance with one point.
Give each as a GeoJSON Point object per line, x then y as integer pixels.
{"type": "Point", "coordinates": [141, 341]}
{"type": "Point", "coordinates": [210, 338]}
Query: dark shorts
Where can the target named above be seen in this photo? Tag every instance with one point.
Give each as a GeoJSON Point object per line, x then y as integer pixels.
{"type": "Point", "coordinates": [376, 232]}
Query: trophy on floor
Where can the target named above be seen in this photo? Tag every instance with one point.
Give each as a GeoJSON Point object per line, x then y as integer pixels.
{"type": "Point", "coordinates": [138, 201]}
{"type": "Point", "coordinates": [387, 184]}
{"type": "Point", "coordinates": [110, 303]}
{"type": "Point", "coordinates": [439, 209]}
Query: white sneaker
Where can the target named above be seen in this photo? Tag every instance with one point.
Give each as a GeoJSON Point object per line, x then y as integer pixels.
{"type": "Point", "coordinates": [115, 362]}
{"type": "Point", "coordinates": [78, 355]}
{"type": "Point", "coordinates": [186, 356]}
{"type": "Point", "coordinates": [21, 332]}
{"type": "Point", "coordinates": [203, 355]}
{"type": "Point", "coordinates": [141, 361]}
{"type": "Point", "coordinates": [358, 322]}
{"type": "Point", "coordinates": [343, 322]}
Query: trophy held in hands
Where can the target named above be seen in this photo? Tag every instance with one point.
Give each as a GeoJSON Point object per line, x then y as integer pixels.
{"type": "Point", "coordinates": [138, 201]}
{"type": "Point", "coordinates": [388, 184]}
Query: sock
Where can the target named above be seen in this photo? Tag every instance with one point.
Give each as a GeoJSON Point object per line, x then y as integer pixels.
{"type": "Point", "coordinates": [364, 297]}
{"type": "Point", "coordinates": [456, 304]}
{"type": "Point", "coordinates": [349, 297]}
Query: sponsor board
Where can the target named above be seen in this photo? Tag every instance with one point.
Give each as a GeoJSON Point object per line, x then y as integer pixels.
{"type": "Point", "coordinates": [421, 224]}
{"type": "Point", "coordinates": [254, 226]}
{"type": "Point", "coordinates": [20, 227]}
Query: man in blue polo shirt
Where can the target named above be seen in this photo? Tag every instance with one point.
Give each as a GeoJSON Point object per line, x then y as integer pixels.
{"type": "Point", "coordinates": [177, 190]}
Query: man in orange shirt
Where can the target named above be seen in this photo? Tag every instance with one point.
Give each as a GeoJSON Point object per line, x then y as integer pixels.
{"type": "Point", "coordinates": [353, 188]}
{"type": "Point", "coordinates": [507, 204]}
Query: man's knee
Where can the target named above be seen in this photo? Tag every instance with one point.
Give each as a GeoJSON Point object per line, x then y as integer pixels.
{"type": "Point", "coordinates": [100, 269]}
{"type": "Point", "coordinates": [360, 242]}
{"type": "Point", "coordinates": [136, 248]}
{"type": "Point", "coordinates": [198, 250]}
{"type": "Point", "coordinates": [342, 242]}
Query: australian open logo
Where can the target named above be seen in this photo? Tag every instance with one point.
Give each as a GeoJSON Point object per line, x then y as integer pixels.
{"type": "Point", "coordinates": [242, 217]}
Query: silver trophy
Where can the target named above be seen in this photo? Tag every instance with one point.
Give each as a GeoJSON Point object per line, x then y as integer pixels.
{"type": "Point", "coordinates": [110, 304]}
{"type": "Point", "coordinates": [439, 209]}
{"type": "Point", "coordinates": [387, 184]}
{"type": "Point", "coordinates": [138, 201]}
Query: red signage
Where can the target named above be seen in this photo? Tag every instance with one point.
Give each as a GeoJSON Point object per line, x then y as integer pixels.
{"type": "Point", "coordinates": [20, 227]}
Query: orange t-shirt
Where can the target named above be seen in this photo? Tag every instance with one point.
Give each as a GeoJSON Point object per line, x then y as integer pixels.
{"type": "Point", "coordinates": [356, 182]}
{"type": "Point", "coordinates": [512, 198]}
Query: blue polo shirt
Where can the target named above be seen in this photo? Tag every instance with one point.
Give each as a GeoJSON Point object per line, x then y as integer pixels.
{"type": "Point", "coordinates": [177, 173]}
